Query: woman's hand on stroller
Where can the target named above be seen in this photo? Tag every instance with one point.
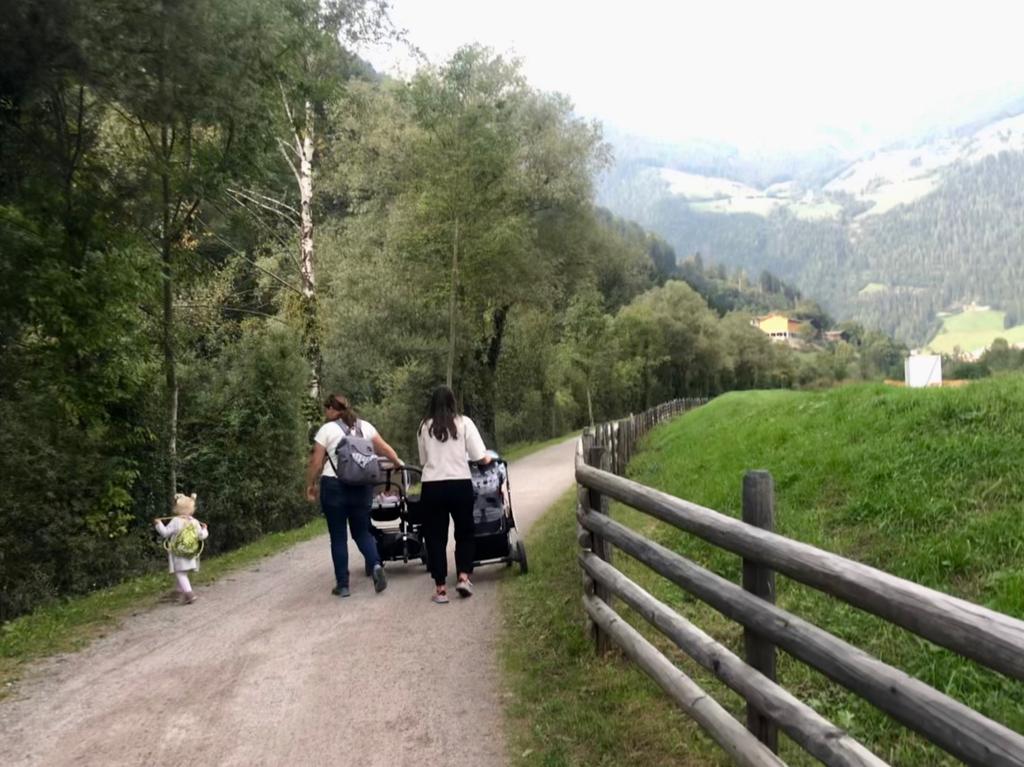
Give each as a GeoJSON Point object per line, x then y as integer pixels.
{"type": "Point", "coordinates": [490, 459]}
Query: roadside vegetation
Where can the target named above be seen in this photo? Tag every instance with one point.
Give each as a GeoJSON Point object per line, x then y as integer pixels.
{"type": "Point", "coordinates": [920, 483]}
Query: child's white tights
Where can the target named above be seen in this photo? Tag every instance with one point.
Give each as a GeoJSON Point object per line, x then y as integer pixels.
{"type": "Point", "coordinates": [183, 583]}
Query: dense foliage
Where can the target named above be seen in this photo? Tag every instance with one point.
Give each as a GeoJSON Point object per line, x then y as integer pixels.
{"type": "Point", "coordinates": [210, 213]}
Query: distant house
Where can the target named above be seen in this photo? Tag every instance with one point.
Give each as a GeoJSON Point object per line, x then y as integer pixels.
{"type": "Point", "coordinates": [835, 336]}
{"type": "Point", "coordinates": [778, 326]}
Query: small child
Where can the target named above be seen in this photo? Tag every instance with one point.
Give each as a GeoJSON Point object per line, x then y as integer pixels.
{"type": "Point", "coordinates": [184, 508]}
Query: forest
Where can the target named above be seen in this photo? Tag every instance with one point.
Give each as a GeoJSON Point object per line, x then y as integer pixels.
{"type": "Point", "coordinates": [212, 214]}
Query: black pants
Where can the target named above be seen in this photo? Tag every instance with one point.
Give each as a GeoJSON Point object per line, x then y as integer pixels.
{"type": "Point", "coordinates": [439, 500]}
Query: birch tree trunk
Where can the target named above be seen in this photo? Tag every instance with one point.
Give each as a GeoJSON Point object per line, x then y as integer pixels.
{"type": "Point", "coordinates": [304, 148]}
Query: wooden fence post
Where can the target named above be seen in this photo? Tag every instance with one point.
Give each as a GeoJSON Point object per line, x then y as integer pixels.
{"type": "Point", "coordinates": [759, 511]}
{"type": "Point", "coordinates": [599, 458]}
{"type": "Point", "coordinates": [585, 539]}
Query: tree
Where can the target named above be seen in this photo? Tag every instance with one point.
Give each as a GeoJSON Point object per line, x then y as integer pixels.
{"type": "Point", "coordinates": [186, 117]}
{"type": "Point", "coordinates": [313, 67]}
{"type": "Point", "coordinates": [586, 337]}
{"type": "Point", "coordinates": [672, 339]}
{"type": "Point", "coordinates": [488, 167]}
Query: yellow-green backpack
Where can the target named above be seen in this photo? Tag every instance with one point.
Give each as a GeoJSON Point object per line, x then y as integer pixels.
{"type": "Point", "coordinates": [185, 543]}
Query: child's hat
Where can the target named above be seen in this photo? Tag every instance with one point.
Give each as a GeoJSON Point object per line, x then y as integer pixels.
{"type": "Point", "coordinates": [184, 504]}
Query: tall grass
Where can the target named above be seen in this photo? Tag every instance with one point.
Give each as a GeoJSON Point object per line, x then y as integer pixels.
{"type": "Point", "coordinates": [925, 484]}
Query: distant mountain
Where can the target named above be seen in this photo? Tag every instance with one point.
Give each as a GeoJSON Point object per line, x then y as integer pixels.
{"type": "Point", "coordinates": [889, 238]}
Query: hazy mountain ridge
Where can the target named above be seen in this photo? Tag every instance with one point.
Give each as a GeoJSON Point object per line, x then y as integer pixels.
{"type": "Point", "coordinates": [889, 238]}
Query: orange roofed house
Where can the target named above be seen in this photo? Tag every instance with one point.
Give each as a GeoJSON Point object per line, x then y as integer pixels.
{"type": "Point", "coordinates": [778, 326]}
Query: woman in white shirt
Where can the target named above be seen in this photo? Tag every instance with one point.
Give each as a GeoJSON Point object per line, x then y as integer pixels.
{"type": "Point", "coordinates": [447, 442]}
{"type": "Point", "coordinates": [344, 504]}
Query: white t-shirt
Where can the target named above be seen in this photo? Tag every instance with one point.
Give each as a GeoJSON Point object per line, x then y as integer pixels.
{"type": "Point", "coordinates": [449, 459]}
{"type": "Point", "coordinates": [330, 434]}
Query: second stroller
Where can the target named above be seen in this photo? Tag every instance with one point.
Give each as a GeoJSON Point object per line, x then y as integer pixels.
{"type": "Point", "coordinates": [399, 535]}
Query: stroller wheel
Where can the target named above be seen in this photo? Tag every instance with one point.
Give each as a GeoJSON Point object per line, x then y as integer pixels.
{"type": "Point", "coordinates": [521, 557]}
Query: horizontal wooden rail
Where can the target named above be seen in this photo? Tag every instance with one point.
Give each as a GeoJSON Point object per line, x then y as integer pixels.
{"type": "Point", "coordinates": [744, 748]}
{"type": "Point", "coordinates": [819, 737]}
{"type": "Point", "coordinates": [989, 637]}
{"type": "Point", "coordinates": [954, 727]}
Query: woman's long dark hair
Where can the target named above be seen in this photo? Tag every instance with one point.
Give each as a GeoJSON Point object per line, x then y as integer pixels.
{"type": "Point", "coordinates": [340, 403]}
{"type": "Point", "coordinates": [441, 414]}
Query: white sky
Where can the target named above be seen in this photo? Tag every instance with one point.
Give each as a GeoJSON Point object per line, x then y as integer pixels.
{"type": "Point", "coordinates": [768, 74]}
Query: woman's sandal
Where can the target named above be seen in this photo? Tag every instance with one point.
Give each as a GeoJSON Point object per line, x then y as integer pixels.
{"type": "Point", "coordinates": [440, 597]}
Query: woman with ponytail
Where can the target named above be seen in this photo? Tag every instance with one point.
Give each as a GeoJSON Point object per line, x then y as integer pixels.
{"type": "Point", "coordinates": [345, 504]}
{"type": "Point", "coordinates": [447, 442]}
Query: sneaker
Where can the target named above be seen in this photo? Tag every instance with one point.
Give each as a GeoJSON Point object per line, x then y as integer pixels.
{"type": "Point", "coordinates": [440, 599]}
{"type": "Point", "coordinates": [341, 591]}
{"type": "Point", "coordinates": [465, 588]}
{"type": "Point", "coordinates": [188, 597]}
{"type": "Point", "coordinates": [380, 581]}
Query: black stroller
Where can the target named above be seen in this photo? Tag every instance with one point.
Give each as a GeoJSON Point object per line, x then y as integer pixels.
{"type": "Point", "coordinates": [399, 535]}
{"type": "Point", "coordinates": [497, 539]}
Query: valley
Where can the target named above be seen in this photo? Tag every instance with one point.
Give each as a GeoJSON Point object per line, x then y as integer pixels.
{"type": "Point", "coordinates": [892, 239]}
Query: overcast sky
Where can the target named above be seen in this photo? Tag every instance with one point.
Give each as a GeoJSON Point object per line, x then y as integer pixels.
{"type": "Point", "coordinates": [767, 74]}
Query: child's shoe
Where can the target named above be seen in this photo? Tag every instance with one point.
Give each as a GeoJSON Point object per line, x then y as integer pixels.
{"type": "Point", "coordinates": [188, 597]}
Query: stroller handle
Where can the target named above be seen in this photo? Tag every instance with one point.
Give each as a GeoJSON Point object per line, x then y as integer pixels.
{"type": "Point", "coordinates": [495, 459]}
{"type": "Point", "coordinates": [390, 466]}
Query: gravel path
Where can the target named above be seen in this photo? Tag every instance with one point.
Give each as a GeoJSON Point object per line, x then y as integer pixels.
{"type": "Point", "coordinates": [268, 668]}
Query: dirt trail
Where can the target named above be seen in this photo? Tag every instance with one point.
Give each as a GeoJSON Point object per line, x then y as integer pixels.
{"type": "Point", "coordinates": [268, 668]}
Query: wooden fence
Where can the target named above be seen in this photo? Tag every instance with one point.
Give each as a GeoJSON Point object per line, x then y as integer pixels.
{"type": "Point", "coordinates": [990, 638]}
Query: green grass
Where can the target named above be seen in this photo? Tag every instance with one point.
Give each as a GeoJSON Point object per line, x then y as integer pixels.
{"type": "Point", "coordinates": [973, 330]}
{"type": "Point", "coordinates": [73, 623]}
{"type": "Point", "coordinates": [564, 706]}
{"type": "Point", "coordinates": [873, 287]}
{"type": "Point", "coordinates": [922, 483]}
{"type": "Point", "coordinates": [519, 450]}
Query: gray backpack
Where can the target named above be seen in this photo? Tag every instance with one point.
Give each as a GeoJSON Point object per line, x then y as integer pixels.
{"type": "Point", "coordinates": [355, 462]}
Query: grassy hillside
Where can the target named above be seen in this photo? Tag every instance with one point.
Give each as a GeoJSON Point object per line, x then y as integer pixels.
{"type": "Point", "coordinates": [974, 331]}
{"type": "Point", "coordinates": [922, 483]}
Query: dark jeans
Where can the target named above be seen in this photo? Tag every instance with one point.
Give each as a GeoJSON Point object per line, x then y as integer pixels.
{"type": "Point", "coordinates": [350, 504]}
{"type": "Point", "coordinates": [438, 500]}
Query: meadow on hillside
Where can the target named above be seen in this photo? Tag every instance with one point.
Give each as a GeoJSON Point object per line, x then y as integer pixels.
{"type": "Point", "coordinates": [974, 331]}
